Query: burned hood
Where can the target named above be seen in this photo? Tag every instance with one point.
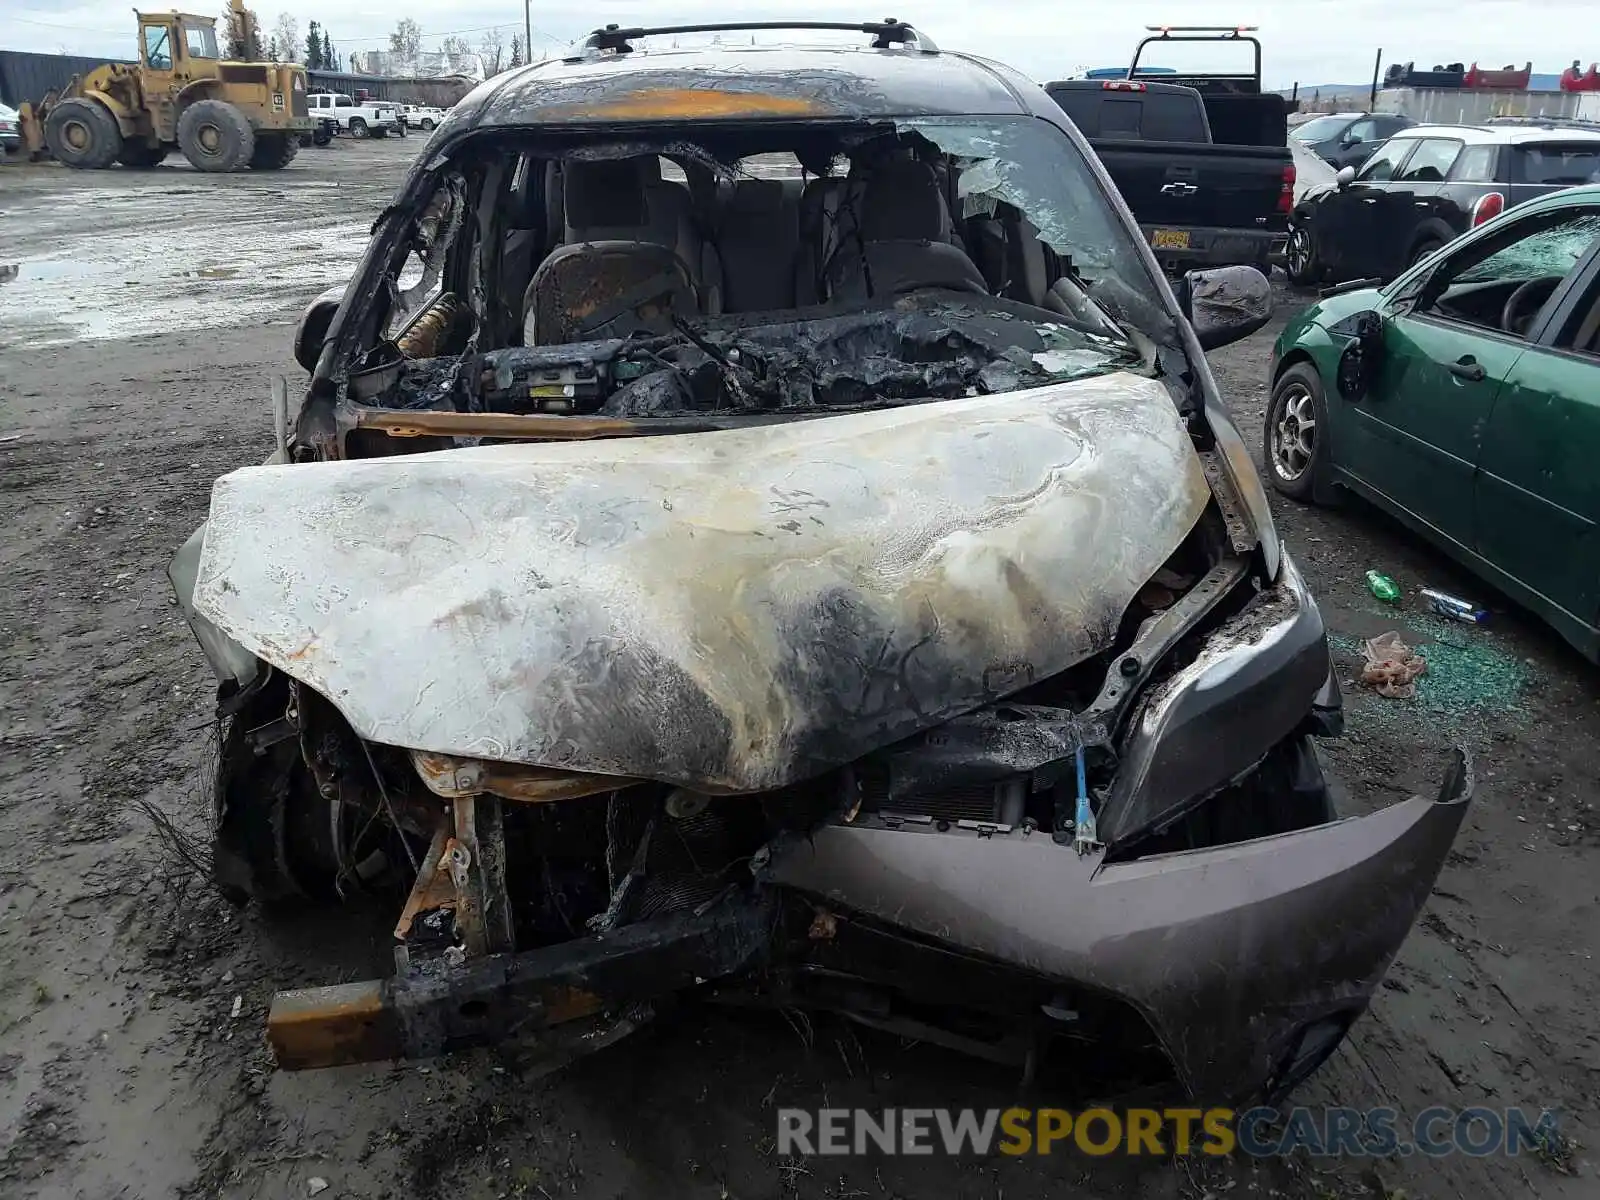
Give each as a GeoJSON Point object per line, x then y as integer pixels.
{"type": "Point", "coordinates": [728, 611]}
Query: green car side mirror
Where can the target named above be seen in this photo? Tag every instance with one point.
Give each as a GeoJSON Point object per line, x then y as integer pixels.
{"type": "Point", "coordinates": [1362, 355]}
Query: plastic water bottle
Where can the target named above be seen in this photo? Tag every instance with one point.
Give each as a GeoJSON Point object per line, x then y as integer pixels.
{"type": "Point", "coordinates": [1383, 587]}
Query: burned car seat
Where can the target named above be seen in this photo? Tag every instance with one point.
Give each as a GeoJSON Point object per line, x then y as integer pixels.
{"type": "Point", "coordinates": [758, 234]}
{"type": "Point", "coordinates": [886, 230]}
{"type": "Point", "coordinates": [627, 200]}
{"type": "Point", "coordinates": [606, 289]}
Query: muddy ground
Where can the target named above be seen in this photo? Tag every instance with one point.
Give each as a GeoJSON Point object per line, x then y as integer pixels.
{"type": "Point", "coordinates": [137, 339]}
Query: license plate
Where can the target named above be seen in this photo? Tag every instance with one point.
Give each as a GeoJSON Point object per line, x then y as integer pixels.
{"type": "Point", "coordinates": [1170, 239]}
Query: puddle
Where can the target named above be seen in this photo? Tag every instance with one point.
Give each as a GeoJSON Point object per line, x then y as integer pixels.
{"type": "Point", "coordinates": [45, 270]}
{"type": "Point", "coordinates": [233, 265]}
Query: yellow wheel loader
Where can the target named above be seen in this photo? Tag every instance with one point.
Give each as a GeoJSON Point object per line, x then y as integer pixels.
{"type": "Point", "coordinates": [223, 116]}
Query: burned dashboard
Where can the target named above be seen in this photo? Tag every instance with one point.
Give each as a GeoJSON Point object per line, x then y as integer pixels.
{"type": "Point", "coordinates": [925, 346]}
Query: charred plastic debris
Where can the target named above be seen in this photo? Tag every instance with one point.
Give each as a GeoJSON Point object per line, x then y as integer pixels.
{"type": "Point", "coordinates": [997, 855]}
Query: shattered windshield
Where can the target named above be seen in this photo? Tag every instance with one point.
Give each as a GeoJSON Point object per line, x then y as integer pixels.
{"type": "Point", "coordinates": [767, 270]}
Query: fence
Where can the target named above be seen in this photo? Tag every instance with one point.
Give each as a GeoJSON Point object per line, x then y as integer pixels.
{"type": "Point", "coordinates": [1460, 106]}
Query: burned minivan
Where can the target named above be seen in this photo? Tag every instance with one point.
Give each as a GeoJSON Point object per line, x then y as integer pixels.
{"type": "Point", "coordinates": [758, 524]}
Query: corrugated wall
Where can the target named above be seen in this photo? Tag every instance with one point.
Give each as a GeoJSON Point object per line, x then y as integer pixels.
{"type": "Point", "coordinates": [27, 76]}
{"type": "Point", "coordinates": [441, 93]}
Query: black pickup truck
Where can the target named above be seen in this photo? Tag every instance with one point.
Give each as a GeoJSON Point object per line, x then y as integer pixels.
{"type": "Point", "coordinates": [1202, 160]}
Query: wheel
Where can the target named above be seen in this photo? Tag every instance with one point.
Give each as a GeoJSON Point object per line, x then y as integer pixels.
{"type": "Point", "coordinates": [1424, 248]}
{"type": "Point", "coordinates": [401, 129]}
{"type": "Point", "coordinates": [276, 838]}
{"type": "Point", "coordinates": [358, 127]}
{"type": "Point", "coordinates": [141, 155]}
{"type": "Point", "coordinates": [214, 136]}
{"type": "Point", "coordinates": [427, 124]}
{"type": "Point", "coordinates": [1296, 445]}
{"type": "Point", "coordinates": [274, 152]}
{"type": "Point", "coordinates": [82, 133]}
{"type": "Point", "coordinates": [1300, 261]}
{"type": "Point", "coordinates": [379, 132]}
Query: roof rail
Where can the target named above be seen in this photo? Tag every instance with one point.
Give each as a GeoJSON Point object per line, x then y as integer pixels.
{"type": "Point", "coordinates": [886, 34]}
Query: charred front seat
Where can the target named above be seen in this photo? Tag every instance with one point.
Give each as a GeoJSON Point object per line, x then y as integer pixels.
{"type": "Point", "coordinates": [890, 232]}
{"type": "Point", "coordinates": [608, 289]}
{"type": "Point", "coordinates": [627, 200]}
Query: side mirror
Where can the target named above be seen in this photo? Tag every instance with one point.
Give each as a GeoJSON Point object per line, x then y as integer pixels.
{"type": "Point", "coordinates": [1350, 139]}
{"type": "Point", "coordinates": [1225, 304]}
{"type": "Point", "coordinates": [1345, 176]}
{"type": "Point", "coordinates": [1363, 353]}
{"type": "Point", "coordinates": [312, 331]}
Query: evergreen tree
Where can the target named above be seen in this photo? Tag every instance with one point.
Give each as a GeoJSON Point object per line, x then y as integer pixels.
{"type": "Point", "coordinates": [516, 50]}
{"type": "Point", "coordinates": [314, 47]}
{"type": "Point", "coordinates": [330, 61]}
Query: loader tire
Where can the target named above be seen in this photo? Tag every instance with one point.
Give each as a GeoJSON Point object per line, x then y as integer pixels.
{"type": "Point", "coordinates": [141, 155]}
{"type": "Point", "coordinates": [82, 133]}
{"type": "Point", "coordinates": [274, 152]}
{"type": "Point", "coordinates": [214, 136]}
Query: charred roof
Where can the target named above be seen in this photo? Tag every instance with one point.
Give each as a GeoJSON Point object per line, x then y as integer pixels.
{"type": "Point", "coordinates": [734, 82]}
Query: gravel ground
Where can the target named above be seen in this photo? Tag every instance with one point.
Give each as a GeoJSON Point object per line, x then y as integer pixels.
{"type": "Point", "coordinates": [138, 336]}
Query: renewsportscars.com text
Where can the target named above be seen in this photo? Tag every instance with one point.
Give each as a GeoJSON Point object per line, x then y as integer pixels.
{"type": "Point", "coordinates": [1337, 1132]}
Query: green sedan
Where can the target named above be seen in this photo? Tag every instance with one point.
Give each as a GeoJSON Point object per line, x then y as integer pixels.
{"type": "Point", "coordinates": [1464, 398]}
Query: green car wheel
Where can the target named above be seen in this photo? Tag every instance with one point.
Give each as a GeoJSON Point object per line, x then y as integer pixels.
{"type": "Point", "coordinates": [1296, 450]}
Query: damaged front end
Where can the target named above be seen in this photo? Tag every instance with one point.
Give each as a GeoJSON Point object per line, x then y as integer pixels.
{"type": "Point", "coordinates": [922, 653]}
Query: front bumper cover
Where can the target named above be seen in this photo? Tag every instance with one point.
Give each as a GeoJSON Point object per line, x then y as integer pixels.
{"type": "Point", "coordinates": [1232, 955]}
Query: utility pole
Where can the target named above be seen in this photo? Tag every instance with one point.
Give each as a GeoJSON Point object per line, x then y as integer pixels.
{"type": "Point", "coordinates": [527, 29]}
{"type": "Point", "coordinates": [1377, 65]}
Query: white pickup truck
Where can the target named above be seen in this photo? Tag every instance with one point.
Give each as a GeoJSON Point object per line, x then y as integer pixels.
{"type": "Point", "coordinates": [366, 118]}
{"type": "Point", "coordinates": [421, 116]}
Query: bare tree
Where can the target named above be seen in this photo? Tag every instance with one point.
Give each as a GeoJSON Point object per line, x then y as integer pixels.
{"type": "Point", "coordinates": [492, 50]}
{"type": "Point", "coordinates": [455, 49]}
{"type": "Point", "coordinates": [243, 40]}
{"type": "Point", "coordinates": [287, 34]}
{"type": "Point", "coordinates": [406, 40]}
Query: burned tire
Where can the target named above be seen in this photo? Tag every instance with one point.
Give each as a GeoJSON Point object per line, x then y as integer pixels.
{"type": "Point", "coordinates": [277, 839]}
{"type": "Point", "coordinates": [214, 136]}
{"type": "Point", "coordinates": [141, 155]}
{"type": "Point", "coordinates": [83, 134]}
{"type": "Point", "coordinates": [274, 152]}
{"type": "Point", "coordinates": [358, 127]}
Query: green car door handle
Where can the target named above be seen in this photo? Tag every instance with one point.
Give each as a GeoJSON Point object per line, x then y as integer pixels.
{"type": "Point", "coordinates": [1468, 368]}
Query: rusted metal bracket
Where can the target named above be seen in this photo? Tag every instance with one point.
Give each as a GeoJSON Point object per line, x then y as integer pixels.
{"type": "Point", "coordinates": [1240, 536]}
{"type": "Point", "coordinates": [438, 1006]}
{"type": "Point", "coordinates": [476, 860]}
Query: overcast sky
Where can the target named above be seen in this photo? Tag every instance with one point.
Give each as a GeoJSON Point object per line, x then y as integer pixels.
{"type": "Point", "coordinates": [1310, 41]}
